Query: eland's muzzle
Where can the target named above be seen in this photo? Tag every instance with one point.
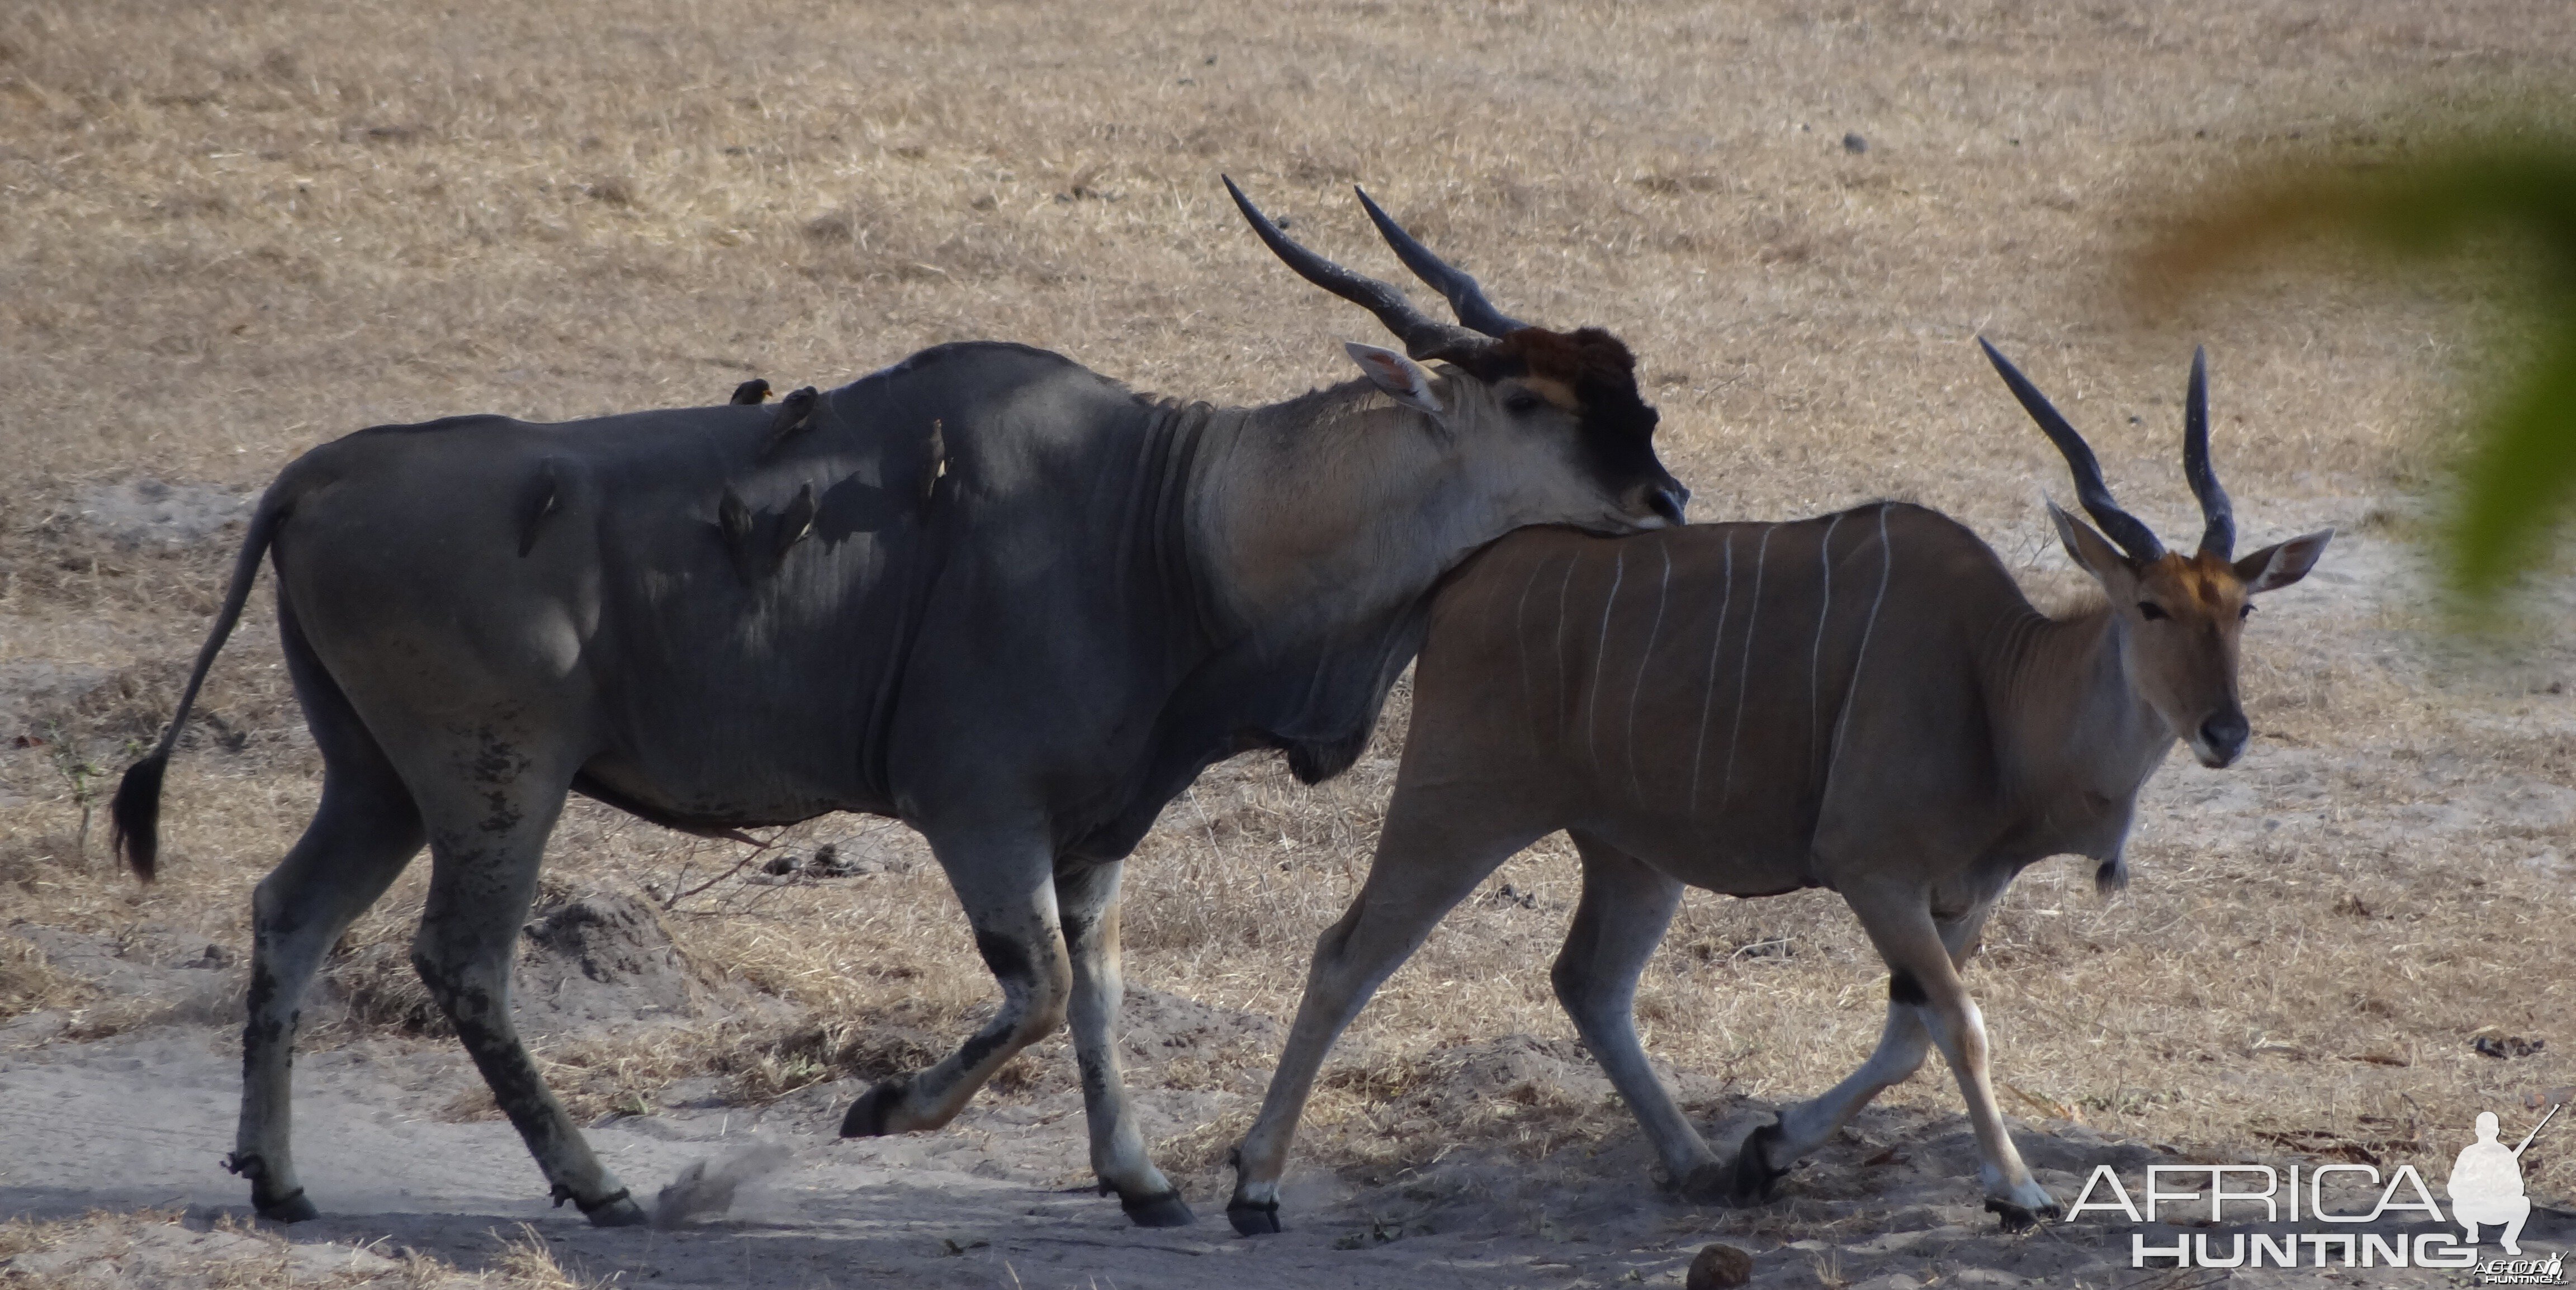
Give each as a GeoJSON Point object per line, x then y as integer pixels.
{"type": "Point", "coordinates": [1668, 501]}
{"type": "Point", "coordinates": [2221, 739]}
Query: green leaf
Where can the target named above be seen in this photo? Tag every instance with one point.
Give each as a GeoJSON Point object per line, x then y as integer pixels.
{"type": "Point", "coordinates": [2520, 473]}
{"type": "Point", "coordinates": [2520, 469]}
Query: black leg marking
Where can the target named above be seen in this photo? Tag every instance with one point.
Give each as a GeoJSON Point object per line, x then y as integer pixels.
{"type": "Point", "coordinates": [1753, 1172]}
{"type": "Point", "coordinates": [867, 1117]}
{"type": "Point", "coordinates": [1903, 988]}
{"type": "Point", "coordinates": [977, 1047]}
{"type": "Point", "coordinates": [289, 1208]}
{"type": "Point", "coordinates": [618, 1209]}
{"type": "Point", "coordinates": [1004, 956]}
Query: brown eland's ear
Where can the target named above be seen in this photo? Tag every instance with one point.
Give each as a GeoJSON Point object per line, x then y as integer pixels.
{"type": "Point", "coordinates": [1405, 381]}
{"type": "Point", "coordinates": [2282, 563]}
{"type": "Point", "coordinates": [2092, 552]}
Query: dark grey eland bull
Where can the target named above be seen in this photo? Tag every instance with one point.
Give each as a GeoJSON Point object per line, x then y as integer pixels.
{"type": "Point", "coordinates": [984, 591]}
{"type": "Point", "coordinates": [1863, 702]}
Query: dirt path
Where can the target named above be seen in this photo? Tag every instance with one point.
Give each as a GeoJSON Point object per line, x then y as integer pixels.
{"type": "Point", "coordinates": [142, 1122]}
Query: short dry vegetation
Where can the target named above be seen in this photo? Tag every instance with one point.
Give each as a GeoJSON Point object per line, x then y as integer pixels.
{"type": "Point", "coordinates": [237, 230]}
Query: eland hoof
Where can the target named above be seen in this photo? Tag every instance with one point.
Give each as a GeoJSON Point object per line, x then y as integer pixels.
{"type": "Point", "coordinates": [1165, 1210]}
{"type": "Point", "coordinates": [1753, 1175]}
{"type": "Point", "coordinates": [867, 1117]}
{"type": "Point", "coordinates": [618, 1211]}
{"type": "Point", "coordinates": [293, 1207]}
{"type": "Point", "coordinates": [2021, 1218]}
{"type": "Point", "coordinates": [1709, 1184]}
{"type": "Point", "coordinates": [1251, 1219]}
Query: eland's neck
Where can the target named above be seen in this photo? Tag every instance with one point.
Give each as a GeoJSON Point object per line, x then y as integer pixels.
{"type": "Point", "coordinates": [1325, 510]}
{"type": "Point", "coordinates": [2071, 717]}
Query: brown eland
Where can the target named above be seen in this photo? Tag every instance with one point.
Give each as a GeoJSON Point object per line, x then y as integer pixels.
{"type": "Point", "coordinates": [983, 591]}
{"type": "Point", "coordinates": [1861, 701]}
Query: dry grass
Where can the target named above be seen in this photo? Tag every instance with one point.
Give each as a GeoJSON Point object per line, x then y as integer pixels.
{"type": "Point", "coordinates": [526, 1261]}
{"type": "Point", "coordinates": [239, 230]}
{"type": "Point", "coordinates": [155, 1250]}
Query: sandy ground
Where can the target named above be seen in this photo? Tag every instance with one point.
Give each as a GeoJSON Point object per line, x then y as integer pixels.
{"type": "Point", "coordinates": [140, 1122]}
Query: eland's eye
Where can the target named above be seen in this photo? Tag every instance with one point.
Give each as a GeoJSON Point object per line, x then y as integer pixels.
{"type": "Point", "coordinates": [2245, 611]}
{"type": "Point", "coordinates": [2151, 611]}
{"type": "Point", "coordinates": [1520, 401]}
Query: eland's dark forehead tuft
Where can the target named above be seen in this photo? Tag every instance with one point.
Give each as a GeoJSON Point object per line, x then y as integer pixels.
{"type": "Point", "coordinates": [1588, 355]}
{"type": "Point", "coordinates": [1618, 424]}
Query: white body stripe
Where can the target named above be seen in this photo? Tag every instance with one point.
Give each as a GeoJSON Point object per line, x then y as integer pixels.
{"type": "Point", "coordinates": [1600, 656]}
{"type": "Point", "coordinates": [1520, 638]}
{"type": "Point", "coordinates": [1886, 561]}
{"type": "Point", "coordinates": [1636, 786]}
{"type": "Point", "coordinates": [1744, 675]}
{"type": "Point", "coordinates": [1708, 690]}
{"type": "Point", "coordinates": [1824, 617]}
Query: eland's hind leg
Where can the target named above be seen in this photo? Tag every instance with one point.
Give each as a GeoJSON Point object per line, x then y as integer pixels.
{"type": "Point", "coordinates": [1626, 906]}
{"type": "Point", "coordinates": [486, 838]}
{"type": "Point", "coordinates": [358, 842]}
{"type": "Point", "coordinates": [364, 833]}
{"type": "Point", "coordinates": [1434, 849]}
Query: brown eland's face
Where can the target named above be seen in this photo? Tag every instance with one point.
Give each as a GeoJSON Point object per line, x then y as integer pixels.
{"type": "Point", "coordinates": [2186, 614]}
{"type": "Point", "coordinates": [2184, 618]}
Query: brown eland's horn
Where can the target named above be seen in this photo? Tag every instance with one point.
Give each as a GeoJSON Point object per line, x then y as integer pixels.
{"type": "Point", "coordinates": [2218, 538]}
{"type": "Point", "coordinates": [1466, 299]}
{"type": "Point", "coordinates": [1424, 337]}
{"type": "Point", "coordinates": [2134, 537]}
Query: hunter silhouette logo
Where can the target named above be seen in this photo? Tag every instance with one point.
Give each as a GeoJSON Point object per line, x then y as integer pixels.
{"type": "Point", "coordinates": [2486, 1183]}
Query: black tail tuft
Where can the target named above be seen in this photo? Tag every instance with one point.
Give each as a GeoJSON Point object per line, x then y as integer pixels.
{"type": "Point", "coordinates": [136, 813]}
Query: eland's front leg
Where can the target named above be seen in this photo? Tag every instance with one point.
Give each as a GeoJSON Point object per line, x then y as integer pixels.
{"type": "Point", "coordinates": [1005, 879]}
{"type": "Point", "coordinates": [1923, 973]}
{"type": "Point", "coordinates": [1902, 1043]}
{"type": "Point", "coordinates": [1766, 1155]}
{"type": "Point", "coordinates": [1087, 898]}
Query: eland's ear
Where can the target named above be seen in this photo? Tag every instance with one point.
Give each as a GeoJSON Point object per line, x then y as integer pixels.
{"type": "Point", "coordinates": [2092, 552]}
{"type": "Point", "coordinates": [2282, 563]}
{"type": "Point", "coordinates": [1405, 381]}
